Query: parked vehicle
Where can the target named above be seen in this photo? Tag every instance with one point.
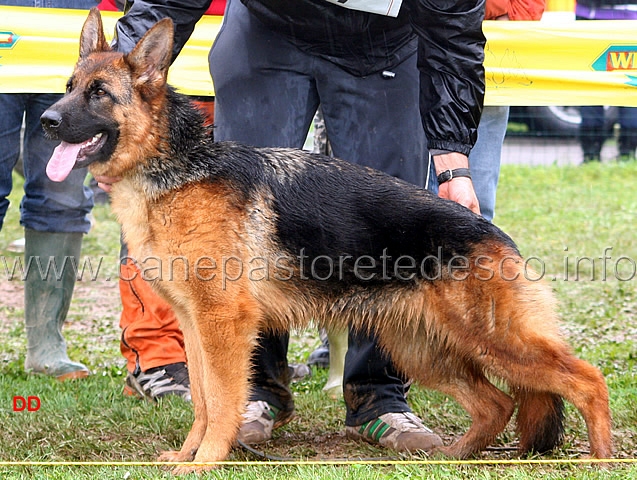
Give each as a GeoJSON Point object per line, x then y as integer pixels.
{"type": "Point", "coordinates": [553, 121]}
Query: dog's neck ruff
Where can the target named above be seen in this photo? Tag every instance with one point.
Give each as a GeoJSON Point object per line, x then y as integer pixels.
{"type": "Point", "coordinates": [186, 158]}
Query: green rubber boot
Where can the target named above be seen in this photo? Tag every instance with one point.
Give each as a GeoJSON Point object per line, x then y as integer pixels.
{"type": "Point", "coordinates": [47, 296]}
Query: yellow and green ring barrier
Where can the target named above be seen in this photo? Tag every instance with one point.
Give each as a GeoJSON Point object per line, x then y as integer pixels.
{"type": "Point", "coordinates": [527, 63]}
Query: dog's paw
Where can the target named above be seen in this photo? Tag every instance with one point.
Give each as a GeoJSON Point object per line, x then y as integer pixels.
{"type": "Point", "coordinates": [447, 453]}
{"type": "Point", "coordinates": [597, 463]}
{"type": "Point", "coordinates": [438, 453]}
{"type": "Point", "coordinates": [186, 469]}
{"type": "Point", "coordinates": [175, 456]}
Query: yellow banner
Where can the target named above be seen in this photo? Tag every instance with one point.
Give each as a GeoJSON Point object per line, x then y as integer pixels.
{"type": "Point", "coordinates": [39, 47]}
{"type": "Point", "coordinates": [573, 63]}
{"type": "Point", "coordinates": [527, 63]}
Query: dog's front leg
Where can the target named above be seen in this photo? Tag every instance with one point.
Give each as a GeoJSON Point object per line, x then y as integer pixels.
{"type": "Point", "coordinates": [195, 372]}
{"type": "Point", "coordinates": [221, 392]}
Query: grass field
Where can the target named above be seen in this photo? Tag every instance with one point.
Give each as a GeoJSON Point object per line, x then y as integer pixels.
{"type": "Point", "coordinates": [574, 225]}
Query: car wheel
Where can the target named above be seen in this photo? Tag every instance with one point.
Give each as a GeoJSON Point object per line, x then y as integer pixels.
{"type": "Point", "coordinates": [558, 121]}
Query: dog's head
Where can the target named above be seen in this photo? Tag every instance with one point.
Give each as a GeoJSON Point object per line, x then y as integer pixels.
{"type": "Point", "coordinates": [111, 114]}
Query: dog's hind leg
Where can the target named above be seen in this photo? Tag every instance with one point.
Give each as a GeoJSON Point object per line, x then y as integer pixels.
{"type": "Point", "coordinates": [558, 372]}
{"type": "Point", "coordinates": [587, 390]}
{"type": "Point", "coordinates": [490, 408]}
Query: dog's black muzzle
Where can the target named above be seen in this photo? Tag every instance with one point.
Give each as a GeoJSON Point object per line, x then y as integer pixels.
{"type": "Point", "coordinates": [51, 121]}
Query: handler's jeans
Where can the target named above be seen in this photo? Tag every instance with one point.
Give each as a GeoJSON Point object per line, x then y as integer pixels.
{"type": "Point", "coordinates": [267, 92]}
{"type": "Point", "coordinates": [47, 206]}
{"type": "Point", "coordinates": [485, 157]}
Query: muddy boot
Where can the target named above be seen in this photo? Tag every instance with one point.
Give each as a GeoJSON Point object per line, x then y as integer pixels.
{"type": "Point", "coordinates": [47, 297]}
{"type": "Point", "coordinates": [591, 140]}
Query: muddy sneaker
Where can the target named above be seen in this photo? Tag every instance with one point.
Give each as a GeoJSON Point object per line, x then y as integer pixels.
{"type": "Point", "coordinates": [298, 371]}
{"type": "Point", "coordinates": [403, 432]}
{"type": "Point", "coordinates": [320, 358]}
{"type": "Point", "coordinates": [259, 420]}
{"type": "Point", "coordinates": [160, 381]}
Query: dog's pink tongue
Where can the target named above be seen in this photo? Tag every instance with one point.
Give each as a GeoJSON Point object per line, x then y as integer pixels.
{"type": "Point", "coordinates": [62, 161]}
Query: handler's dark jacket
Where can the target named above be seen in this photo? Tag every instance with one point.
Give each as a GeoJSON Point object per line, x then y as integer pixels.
{"type": "Point", "coordinates": [446, 33]}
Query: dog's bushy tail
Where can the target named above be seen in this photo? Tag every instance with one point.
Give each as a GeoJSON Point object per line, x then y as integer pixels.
{"type": "Point", "coordinates": [540, 421]}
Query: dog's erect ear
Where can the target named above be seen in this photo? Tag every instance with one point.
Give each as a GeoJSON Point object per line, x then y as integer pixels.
{"type": "Point", "coordinates": [151, 56]}
{"type": "Point", "coordinates": [92, 38]}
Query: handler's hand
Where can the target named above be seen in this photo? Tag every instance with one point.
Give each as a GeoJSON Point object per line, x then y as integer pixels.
{"type": "Point", "coordinates": [106, 183]}
{"type": "Point", "coordinates": [459, 189]}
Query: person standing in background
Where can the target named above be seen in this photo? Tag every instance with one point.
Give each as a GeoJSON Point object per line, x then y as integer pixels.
{"type": "Point", "coordinates": [593, 132]}
{"type": "Point", "coordinates": [485, 156]}
{"type": "Point", "coordinates": [55, 217]}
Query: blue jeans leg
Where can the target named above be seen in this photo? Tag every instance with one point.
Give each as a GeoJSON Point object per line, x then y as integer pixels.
{"type": "Point", "coordinates": [628, 117]}
{"type": "Point", "coordinates": [12, 108]}
{"type": "Point", "coordinates": [50, 206]}
{"type": "Point", "coordinates": [627, 143]}
{"type": "Point", "coordinates": [591, 131]}
{"type": "Point", "coordinates": [485, 156]}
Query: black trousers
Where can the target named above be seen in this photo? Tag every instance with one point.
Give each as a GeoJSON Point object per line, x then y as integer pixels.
{"type": "Point", "coordinates": [267, 92]}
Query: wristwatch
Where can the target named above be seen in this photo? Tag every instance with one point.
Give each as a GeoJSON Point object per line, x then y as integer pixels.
{"type": "Point", "coordinates": [449, 174]}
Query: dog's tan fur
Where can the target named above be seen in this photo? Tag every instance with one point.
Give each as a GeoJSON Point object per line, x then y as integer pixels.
{"type": "Point", "coordinates": [447, 334]}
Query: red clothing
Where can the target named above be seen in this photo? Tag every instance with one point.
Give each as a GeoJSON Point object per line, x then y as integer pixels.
{"type": "Point", "coordinates": [515, 9]}
{"type": "Point", "coordinates": [108, 6]}
{"type": "Point", "coordinates": [216, 7]}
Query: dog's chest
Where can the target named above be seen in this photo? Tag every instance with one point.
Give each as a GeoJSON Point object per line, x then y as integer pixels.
{"type": "Point", "coordinates": [197, 220]}
{"type": "Point", "coordinates": [131, 207]}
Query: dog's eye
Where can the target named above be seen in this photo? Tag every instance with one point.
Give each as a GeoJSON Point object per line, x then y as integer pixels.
{"type": "Point", "coordinates": [96, 91]}
{"type": "Point", "coordinates": [69, 87]}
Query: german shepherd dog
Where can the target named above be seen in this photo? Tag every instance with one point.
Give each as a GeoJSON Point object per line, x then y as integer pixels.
{"type": "Point", "coordinates": [273, 238]}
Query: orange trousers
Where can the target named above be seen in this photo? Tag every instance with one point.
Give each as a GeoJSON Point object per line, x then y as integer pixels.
{"type": "Point", "coordinates": [150, 331]}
